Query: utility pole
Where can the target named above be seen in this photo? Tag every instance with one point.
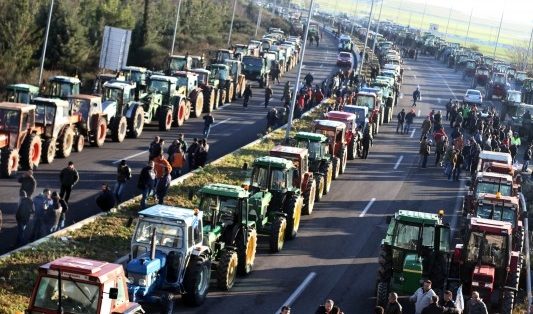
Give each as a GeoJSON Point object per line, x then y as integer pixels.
{"type": "Point", "coordinates": [424, 14]}
{"type": "Point", "coordinates": [43, 56]}
{"type": "Point", "coordinates": [398, 11]}
{"type": "Point", "coordinates": [296, 85]}
{"type": "Point", "coordinates": [366, 37]}
{"type": "Point", "coordinates": [448, 24]}
{"type": "Point", "coordinates": [354, 15]}
{"type": "Point", "coordinates": [176, 27]}
{"type": "Point", "coordinates": [377, 27]}
{"type": "Point", "coordinates": [498, 36]}
{"type": "Point", "coordinates": [258, 20]}
{"type": "Point", "coordinates": [231, 25]}
{"type": "Point", "coordinates": [526, 64]}
{"type": "Point", "coordinates": [468, 28]}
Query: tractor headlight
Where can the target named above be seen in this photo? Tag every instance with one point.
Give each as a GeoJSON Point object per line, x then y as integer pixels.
{"type": "Point", "coordinates": [142, 282]}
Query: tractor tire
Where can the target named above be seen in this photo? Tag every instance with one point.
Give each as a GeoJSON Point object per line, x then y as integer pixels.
{"type": "Point", "coordinates": [246, 250]}
{"type": "Point", "coordinates": [209, 100]}
{"type": "Point", "coordinates": [196, 280]}
{"type": "Point", "coordinates": [99, 132]}
{"type": "Point", "coordinates": [507, 302]}
{"type": "Point", "coordinates": [385, 265]}
{"type": "Point", "coordinates": [230, 93]}
{"type": "Point", "coordinates": [352, 149]}
{"type": "Point", "coordinates": [326, 168]}
{"type": "Point", "coordinates": [518, 240]}
{"type": "Point", "coordinates": [320, 187]}
{"type": "Point", "coordinates": [49, 151]}
{"type": "Point", "coordinates": [9, 162]}
{"type": "Point", "coordinates": [336, 167]}
{"type": "Point", "coordinates": [30, 152]}
{"type": "Point", "coordinates": [79, 143]}
{"type": "Point", "coordinates": [343, 156]}
{"type": "Point", "coordinates": [179, 113]}
{"type": "Point", "coordinates": [242, 87]}
{"type": "Point", "coordinates": [382, 293]}
{"type": "Point", "coordinates": [216, 103]}
{"type": "Point", "coordinates": [136, 122]}
{"type": "Point", "coordinates": [221, 97]}
{"type": "Point", "coordinates": [226, 271]}
{"type": "Point", "coordinates": [188, 108]}
{"type": "Point", "coordinates": [66, 141]}
{"type": "Point", "coordinates": [119, 128]}
{"type": "Point", "coordinates": [277, 234]}
{"type": "Point", "coordinates": [198, 101]}
{"type": "Point", "coordinates": [309, 195]}
{"type": "Point", "coordinates": [165, 119]}
{"type": "Point", "coordinates": [293, 209]}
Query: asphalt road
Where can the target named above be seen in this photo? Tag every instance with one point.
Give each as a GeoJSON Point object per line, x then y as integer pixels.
{"type": "Point", "coordinates": [234, 127]}
{"type": "Point", "coordinates": [335, 253]}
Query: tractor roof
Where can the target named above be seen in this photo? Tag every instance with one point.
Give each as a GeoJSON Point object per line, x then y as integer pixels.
{"type": "Point", "coordinates": [341, 116]}
{"type": "Point", "coordinates": [165, 212]}
{"type": "Point", "coordinates": [118, 84]}
{"type": "Point", "coordinates": [312, 137]}
{"type": "Point", "coordinates": [83, 269]}
{"type": "Point", "coordinates": [184, 73]}
{"type": "Point", "coordinates": [499, 199]}
{"type": "Point", "coordinates": [55, 101]}
{"type": "Point", "coordinates": [367, 94]}
{"type": "Point", "coordinates": [67, 79]}
{"type": "Point", "coordinates": [225, 50]}
{"type": "Point", "coordinates": [165, 78]}
{"type": "Point", "coordinates": [200, 70]}
{"type": "Point", "coordinates": [496, 156]}
{"type": "Point", "coordinates": [84, 96]}
{"type": "Point", "coordinates": [288, 151]}
{"type": "Point", "coordinates": [219, 189]}
{"type": "Point", "coordinates": [274, 162]}
{"type": "Point", "coordinates": [134, 69]}
{"type": "Point", "coordinates": [489, 225]}
{"type": "Point", "coordinates": [417, 217]}
{"type": "Point", "coordinates": [220, 65]}
{"type": "Point", "coordinates": [493, 176]}
{"type": "Point", "coordinates": [16, 106]}
{"type": "Point", "coordinates": [353, 109]}
{"type": "Point", "coordinates": [23, 88]}
{"type": "Point", "coordinates": [178, 56]}
{"type": "Point", "coordinates": [329, 124]}
{"type": "Point", "coordinates": [498, 167]}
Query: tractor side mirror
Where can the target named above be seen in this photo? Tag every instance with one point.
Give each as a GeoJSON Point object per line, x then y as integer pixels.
{"type": "Point", "coordinates": [389, 219]}
{"type": "Point", "coordinates": [113, 293]}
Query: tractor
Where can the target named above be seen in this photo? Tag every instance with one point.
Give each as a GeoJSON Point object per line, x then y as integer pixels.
{"type": "Point", "coordinates": [485, 262]}
{"type": "Point", "coordinates": [256, 69]}
{"type": "Point", "coordinates": [387, 88]}
{"type": "Point", "coordinates": [521, 76]}
{"type": "Point", "coordinates": [371, 101]}
{"type": "Point", "coordinates": [353, 135]}
{"type": "Point", "coordinates": [311, 188]}
{"type": "Point", "coordinates": [229, 230]}
{"type": "Point", "coordinates": [320, 160]}
{"type": "Point", "coordinates": [168, 257]}
{"type": "Point", "coordinates": [237, 77]}
{"type": "Point", "coordinates": [527, 91]}
{"type": "Point", "coordinates": [92, 124]}
{"type": "Point", "coordinates": [187, 84]}
{"type": "Point", "coordinates": [125, 116]}
{"type": "Point", "coordinates": [21, 93]}
{"type": "Point", "coordinates": [101, 79]}
{"type": "Point", "coordinates": [416, 248]}
{"type": "Point", "coordinates": [470, 69]}
{"type": "Point", "coordinates": [361, 114]}
{"type": "Point", "coordinates": [222, 74]}
{"type": "Point", "coordinates": [497, 86]}
{"type": "Point", "coordinates": [209, 89]}
{"type": "Point", "coordinates": [61, 87]}
{"type": "Point", "coordinates": [510, 106]}
{"type": "Point", "coordinates": [137, 76]}
{"type": "Point", "coordinates": [272, 185]}
{"type": "Point", "coordinates": [338, 146]}
{"type": "Point", "coordinates": [20, 143]}
{"type": "Point", "coordinates": [487, 183]}
{"type": "Point", "coordinates": [220, 56]}
{"type": "Point", "coordinates": [178, 63]}
{"type": "Point", "coordinates": [79, 285]}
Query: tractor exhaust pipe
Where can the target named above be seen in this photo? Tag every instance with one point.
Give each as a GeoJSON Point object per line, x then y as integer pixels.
{"type": "Point", "coordinates": [153, 245]}
{"type": "Point", "coordinates": [528, 262]}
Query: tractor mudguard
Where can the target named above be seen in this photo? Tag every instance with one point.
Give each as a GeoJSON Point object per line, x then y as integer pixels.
{"type": "Point", "coordinates": [131, 109]}
{"type": "Point", "coordinates": [201, 250]}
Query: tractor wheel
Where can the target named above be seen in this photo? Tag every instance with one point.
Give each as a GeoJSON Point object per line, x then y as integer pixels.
{"type": "Point", "coordinates": [277, 234]}
{"type": "Point", "coordinates": [198, 102]}
{"type": "Point", "coordinates": [320, 187]}
{"type": "Point", "coordinates": [246, 251]}
{"type": "Point", "coordinates": [119, 128]}
{"type": "Point", "coordinates": [352, 149]}
{"type": "Point", "coordinates": [216, 103]}
{"type": "Point", "coordinates": [188, 108]}
{"type": "Point", "coordinates": [66, 141]}
{"type": "Point", "coordinates": [209, 100]}
{"type": "Point", "coordinates": [309, 195]}
{"type": "Point", "coordinates": [382, 293]}
{"type": "Point", "coordinates": [326, 168]}
{"type": "Point", "coordinates": [9, 162]}
{"type": "Point", "coordinates": [518, 240]}
{"type": "Point", "coordinates": [136, 122]}
{"type": "Point", "coordinates": [507, 302]}
{"type": "Point", "coordinates": [99, 132]}
{"type": "Point", "coordinates": [221, 97]}
{"type": "Point", "coordinates": [179, 113]}
{"type": "Point", "coordinates": [336, 167]}
{"type": "Point", "coordinates": [79, 143]}
{"type": "Point", "coordinates": [165, 119]}
{"type": "Point", "coordinates": [243, 86]}
{"type": "Point", "coordinates": [227, 269]}
{"type": "Point", "coordinates": [49, 151]}
{"type": "Point", "coordinates": [293, 209]}
{"type": "Point", "coordinates": [30, 152]}
{"type": "Point", "coordinates": [344, 159]}
{"type": "Point", "coordinates": [385, 264]}
{"type": "Point", "coordinates": [230, 93]}
{"type": "Point", "coordinates": [196, 280]}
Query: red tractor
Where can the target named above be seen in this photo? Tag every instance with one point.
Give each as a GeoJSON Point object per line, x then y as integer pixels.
{"type": "Point", "coordinates": [485, 262]}
{"type": "Point", "coordinates": [497, 86]}
{"type": "Point", "coordinates": [486, 183]}
{"type": "Point", "coordinates": [481, 77]}
{"type": "Point", "coordinates": [353, 136]}
{"type": "Point", "coordinates": [338, 146]}
{"type": "Point", "coordinates": [305, 180]}
{"type": "Point", "coordinates": [371, 101]}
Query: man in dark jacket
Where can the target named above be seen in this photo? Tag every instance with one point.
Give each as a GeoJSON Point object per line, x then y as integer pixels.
{"type": "Point", "coordinates": [68, 177]}
{"type": "Point", "coordinates": [329, 307]}
{"type": "Point", "coordinates": [366, 142]}
{"type": "Point", "coordinates": [146, 182]}
{"type": "Point", "coordinates": [527, 158]}
{"type": "Point", "coordinates": [246, 95]}
{"type": "Point", "coordinates": [208, 121]}
{"type": "Point", "coordinates": [433, 307]}
{"type": "Point", "coordinates": [447, 303]}
{"type": "Point", "coordinates": [393, 307]}
{"type": "Point", "coordinates": [416, 96]}
{"type": "Point", "coordinates": [401, 120]}
{"type": "Point", "coordinates": [23, 215]}
{"type": "Point", "coordinates": [191, 153]}
{"type": "Point", "coordinates": [105, 200]}
{"type": "Point", "coordinates": [475, 305]}
{"type": "Point", "coordinates": [409, 118]}
{"type": "Point", "coordinates": [42, 203]}
{"type": "Point", "coordinates": [28, 183]}
{"type": "Point", "coordinates": [155, 148]}
{"type": "Point", "coordinates": [268, 95]}
{"type": "Point", "coordinates": [123, 175]}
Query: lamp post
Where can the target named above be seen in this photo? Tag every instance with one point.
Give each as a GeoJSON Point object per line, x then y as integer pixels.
{"type": "Point", "coordinates": [354, 15]}
{"type": "Point", "coordinates": [366, 37]}
{"type": "Point", "coordinates": [498, 36]}
{"type": "Point", "coordinates": [468, 28]}
{"type": "Point", "coordinates": [176, 27]}
{"type": "Point", "coordinates": [43, 56]}
{"type": "Point", "coordinates": [232, 18]}
{"type": "Point", "coordinates": [258, 20]}
{"type": "Point", "coordinates": [377, 27]}
{"type": "Point", "coordinates": [448, 24]}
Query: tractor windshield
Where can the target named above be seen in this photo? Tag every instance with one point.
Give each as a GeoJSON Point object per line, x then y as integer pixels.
{"type": "Point", "coordinates": [178, 64]}
{"type": "Point", "coordinates": [217, 207]}
{"type": "Point", "coordinates": [407, 236]}
{"type": "Point", "coordinates": [314, 148]}
{"type": "Point", "coordinates": [497, 212]}
{"type": "Point", "coordinates": [252, 64]}
{"type": "Point", "coordinates": [219, 73]}
{"type": "Point", "coordinates": [499, 79]}
{"type": "Point", "coordinates": [482, 72]}
{"type": "Point", "coordinates": [521, 76]}
{"type": "Point", "coordinates": [159, 87]}
{"type": "Point", "coordinates": [62, 89]}
{"type": "Point", "coordinates": [365, 101]}
{"type": "Point", "coordinates": [18, 96]}
{"type": "Point", "coordinates": [166, 235]}
{"type": "Point", "coordinates": [134, 76]}
{"type": "Point", "coordinates": [278, 180]}
{"type": "Point", "coordinates": [493, 188]}
{"type": "Point", "coordinates": [45, 113]}
{"type": "Point", "coordinates": [488, 249]}
{"type": "Point", "coordinates": [80, 107]}
{"type": "Point", "coordinates": [113, 94]}
{"type": "Point", "coordinates": [77, 297]}
{"type": "Point", "coordinates": [260, 178]}
{"type": "Point", "coordinates": [9, 120]}
{"type": "Point", "coordinates": [514, 96]}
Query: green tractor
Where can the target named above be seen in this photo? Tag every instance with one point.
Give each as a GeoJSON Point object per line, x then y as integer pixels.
{"type": "Point", "coordinates": [222, 74]}
{"type": "Point", "coordinates": [320, 160]}
{"type": "Point", "coordinates": [416, 247]}
{"type": "Point", "coordinates": [228, 231]}
{"type": "Point", "coordinates": [278, 201]}
{"type": "Point", "coordinates": [21, 93]}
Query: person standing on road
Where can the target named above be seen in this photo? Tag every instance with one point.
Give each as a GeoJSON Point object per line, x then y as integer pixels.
{"type": "Point", "coordinates": [401, 120]}
{"type": "Point", "coordinates": [416, 96]}
{"type": "Point", "coordinates": [425, 150]}
{"type": "Point", "coordinates": [366, 142]}
{"type": "Point", "coordinates": [41, 202]}
{"type": "Point", "coordinates": [64, 210]}
{"type": "Point", "coordinates": [409, 118]}
{"type": "Point", "coordinates": [146, 182]}
{"type": "Point", "coordinates": [268, 95]}
{"type": "Point", "coordinates": [163, 184]}
{"type": "Point", "coordinates": [433, 307]}
{"type": "Point", "coordinates": [208, 121]}
{"type": "Point", "coordinates": [287, 93]}
{"type": "Point", "coordinates": [475, 305]}
{"type": "Point", "coordinates": [422, 297]}
{"type": "Point", "coordinates": [448, 304]}
{"type": "Point", "coordinates": [201, 155]}
{"type": "Point", "coordinates": [449, 109]}
{"type": "Point", "coordinates": [275, 74]}
{"type": "Point", "coordinates": [105, 200]}
{"type": "Point", "coordinates": [527, 158]}
{"type": "Point", "coordinates": [393, 306]}
{"type": "Point", "coordinates": [317, 39]}
{"type": "Point", "coordinates": [68, 177]}
{"type": "Point", "coordinates": [191, 154]}
{"type": "Point", "coordinates": [178, 162]}
{"type": "Point", "coordinates": [24, 211]}
{"type": "Point", "coordinates": [329, 307]}
{"type": "Point", "coordinates": [155, 148]}
{"type": "Point", "coordinates": [54, 214]}
{"type": "Point", "coordinates": [182, 142]}
{"type": "Point", "coordinates": [28, 183]}
{"type": "Point", "coordinates": [515, 143]}
{"type": "Point", "coordinates": [123, 175]}
{"type": "Point", "coordinates": [246, 95]}
{"type": "Point", "coordinates": [425, 128]}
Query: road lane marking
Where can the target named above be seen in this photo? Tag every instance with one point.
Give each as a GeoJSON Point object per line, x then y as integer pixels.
{"type": "Point", "coordinates": [412, 133]}
{"type": "Point", "coordinates": [129, 157]}
{"type": "Point", "coordinates": [414, 76]}
{"type": "Point", "coordinates": [223, 121]}
{"type": "Point", "coordinates": [398, 162]}
{"type": "Point", "coordinates": [418, 114]}
{"type": "Point", "coordinates": [447, 85]}
{"type": "Point", "coordinates": [438, 100]}
{"type": "Point", "coordinates": [367, 207]}
{"type": "Point", "coordinates": [401, 95]}
{"type": "Point", "coordinates": [298, 291]}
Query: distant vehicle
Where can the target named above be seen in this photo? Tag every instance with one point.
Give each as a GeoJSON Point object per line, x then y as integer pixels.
{"type": "Point", "coordinates": [345, 59]}
{"type": "Point", "coordinates": [473, 96]}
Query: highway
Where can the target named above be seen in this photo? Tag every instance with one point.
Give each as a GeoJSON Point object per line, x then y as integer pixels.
{"type": "Point", "coordinates": [234, 127]}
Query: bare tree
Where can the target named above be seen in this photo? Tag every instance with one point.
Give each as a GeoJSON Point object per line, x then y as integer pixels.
{"type": "Point", "coordinates": [518, 56]}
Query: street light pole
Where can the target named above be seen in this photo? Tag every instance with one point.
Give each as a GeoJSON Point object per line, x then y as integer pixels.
{"type": "Point", "coordinates": [498, 36]}
{"type": "Point", "coordinates": [366, 37]}
{"type": "Point", "coordinates": [258, 20]}
{"type": "Point", "coordinates": [232, 18]}
{"type": "Point", "coordinates": [468, 28]}
{"type": "Point", "coordinates": [43, 56]}
{"type": "Point", "coordinates": [528, 49]}
{"type": "Point", "coordinates": [293, 99]}
{"type": "Point", "coordinates": [448, 24]}
{"type": "Point", "coordinates": [176, 27]}
{"type": "Point", "coordinates": [377, 27]}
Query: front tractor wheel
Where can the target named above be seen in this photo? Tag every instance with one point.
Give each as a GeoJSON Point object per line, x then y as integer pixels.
{"type": "Point", "coordinates": [179, 113]}
{"type": "Point", "coordinates": [66, 141]}
{"type": "Point", "coordinates": [30, 152]}
{"type": "Point", "coordinates": [99, 132]}
{"type": "Point", "coordinates": [196, 280]}
{"type": "Point", "coordinates": [320, 187]}
{"type": "Point", "coordinates": [198, 101]}
{"type": "Point", "coordinates": [344, 160]}
{"type": "Point", "coordinates": [326, 168]}
{"type": "Point", "coordinates": [229, 93]}
{"type": "Point", "coordinates": [227, 269]}
{"type": "Point", "coordinates": [9, 162]}
{"type": "Point", "coordinates": [309, 197]}
{"type": "Point", "coordinates": [277, 234]}
{"type": "Point", "coordinates": [136, 122]}
{"type": "Point", "coordinates": [119, 128]}
{"type": "Point", "coordinates": [293, 210]}
{"type": "Point", "coordinates": [165, 119]}
{"type": "Point", "coordinates": [382, 293]}
{"type": "Point", "coordinates": [49, 151]}
{"type": "Point", "coordinates": [246, 250]}
{"type": "Point", "coordinates": [79, 143]}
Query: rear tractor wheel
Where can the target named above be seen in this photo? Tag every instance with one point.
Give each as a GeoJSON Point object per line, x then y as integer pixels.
{"type": "Point", "coordinates": [320, 187]}
{"type": "Point", "coordinates": [66, 141]}
{"type": "Point", "coordinates": [30, 152]}
{"type": "Point", "coordinates": [336, 167]}
{"type": "Point", "coordinates": [309, 195]}
{"type": "Point", "coordinates": [119, 128]}
{"type": "Point", "coordinates": [9, 162]}
{"type": "Point", "coordinates": [198, 102]}
{"type": "Point", "coordinates": [79, 143]}
{"type": "Point", "coordinates": [277, 234]}
{"type": "Point", "coordinates": [293, 210]}
{"type": "Point", "coordinates": [246, 250]}
{"type": "Point", "coordinates": [136, 122]}
{"type": "Point", "coordinates": [326, 168]}
{"type": "Point", "coordinates": [49, 151]}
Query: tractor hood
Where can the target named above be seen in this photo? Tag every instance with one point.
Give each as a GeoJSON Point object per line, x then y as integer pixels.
{"type": "Point", "coordinates": [412, 272]}
{"type": "Point", "coordinates": [483, 280]}
{"type": "Point", "coordinates": [109, 107]}
{"type": "Point", "coordinates": [143, 265]}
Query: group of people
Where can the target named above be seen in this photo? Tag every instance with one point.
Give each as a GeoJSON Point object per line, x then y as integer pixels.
{"type": "Point", "coordinates": [328, 307]}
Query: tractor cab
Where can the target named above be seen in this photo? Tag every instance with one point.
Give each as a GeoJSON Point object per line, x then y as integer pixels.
{"type": "Point", "coordinates": [371, 101]}
{"type": "Point", "coordinates": [203, 76]}
{"type": "Point", "coordinates": [85, 106]}
{"type": "Point", "coordinates": [101, 79]}
{"type": "Point", "coordinates": [186, 82]}
{"type": "Point", "coordinates": [492, 183]}
{"type": "Point", "coordinates": [160, 90]}
{"type": "Point", "coordinates": [499, 207]}
{"type": "Point", "coordinates": [274, 174]}
{"type": "Point", "coordinates": [299, 157]}
{"type": "Point", "coordinates": [241, 50]}
{"type": "Point", "coordinates": [219, 72]}
{"type": "Point", "coordinates": [15, 121]}
{"type": "Point", "coordinates": [51, 115]}
{"type": "Point", "coordinates": [482, 75]}
{"type": "Point", "coordinates": [117, 95]}
{"type": "Point", "coordinates": [136, 76]}
{"type": "Point", "coordinates": [21, 93]}
{"type": "Point", "coordinates": [353, 134]}
{"type": "Point", "coordinates": [513, 98]}
{"type": "Point", "coordinates": [79, 285]}
{"type": "Point", "coordinates": [488, 156]}
{"type": "Point", "coordinates": [179, 63]}
{"type": "Point", "coordinates": [235, 68]}
{"type": "Point", "coordinates": [361, 114]}
{"type": "Point", "coordinates": [221, 55]}
{"type": "Point", "coordinates": [317, 144]}
{"type": "Point", "coordinates": [61, 87]}
{"type": "Point", "coordinates": [335, 131]}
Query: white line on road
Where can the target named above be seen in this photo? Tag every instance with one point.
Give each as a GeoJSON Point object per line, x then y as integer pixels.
{"type": "Point", "coordinates": [414, 76]}
{"type": "Point", "coordinates": [447, 85]}
{"type": "Point", "coordinates": [367, 207]}
{"type": "Point", "coordinates": [412, 133]}
{"type": "Point", "coordinates": [298, 291]}
{"type": "Point", "coordinates": [438, 100]}
{"type": "Point", "coordinates": [418, 114]}
{"type": "Point", "coordinates": [398, 162]}
{"type": "Point", "coordinates": [401, 95]}
{"type": "Point", "coordinates": [130, 157]}
{"type": "Point", "coordinates": [223, 121]}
